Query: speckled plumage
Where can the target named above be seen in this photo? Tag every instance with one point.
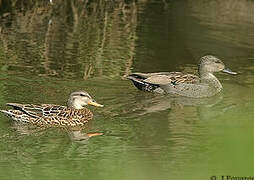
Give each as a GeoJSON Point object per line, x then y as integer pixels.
{"type": "Point", "coordinates": [50, 114]}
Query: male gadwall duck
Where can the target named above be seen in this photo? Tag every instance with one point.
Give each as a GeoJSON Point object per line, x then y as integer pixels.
{"type": "Point", "coordinates": [75, 114]}
{"type": "Point", "coordinates": [183, 84]}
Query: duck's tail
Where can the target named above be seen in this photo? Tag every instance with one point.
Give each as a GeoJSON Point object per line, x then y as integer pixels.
{"type": "Point", "coordinates": [6, 112]}
{"type": "Point", "coordinates": [16, 115]}
{"type": "Point", "coordinates": [138, 81]}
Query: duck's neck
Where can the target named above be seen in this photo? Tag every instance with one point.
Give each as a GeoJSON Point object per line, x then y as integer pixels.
{"type": "Point", "coordinates": [210, 79]}
{"type": "Point", "coordinates": [75, 104]}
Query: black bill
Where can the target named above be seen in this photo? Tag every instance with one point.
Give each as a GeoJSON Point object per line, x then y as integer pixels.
{"type": "Point", "coordinates": [226, 70]}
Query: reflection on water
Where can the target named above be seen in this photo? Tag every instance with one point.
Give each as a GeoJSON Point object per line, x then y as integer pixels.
{"type": "Point", "coordinates": [225, 24]}
{"type": "Point", "coordinates": [54, 41]}
{"type": "Point", "coordinates": [150, 103]}
{"type": "Point", "coordinates": [76, 134]}
{"type": "Point", "coordinates": [48, 51]}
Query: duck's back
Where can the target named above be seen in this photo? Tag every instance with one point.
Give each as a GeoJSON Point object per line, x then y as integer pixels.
{"type": "Point", "coordinates": [172, 77]}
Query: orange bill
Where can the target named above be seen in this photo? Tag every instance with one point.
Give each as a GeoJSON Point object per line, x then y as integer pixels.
{"type": "Point", "coordinates": [94, 134]}
{"type": "Point", "coordinates": [95, 104]}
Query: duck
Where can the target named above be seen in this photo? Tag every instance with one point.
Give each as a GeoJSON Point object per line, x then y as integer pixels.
{"type": "Point", "coordinates": [184, 84]}
{"type": "Point", "coordinates": [74, 114]}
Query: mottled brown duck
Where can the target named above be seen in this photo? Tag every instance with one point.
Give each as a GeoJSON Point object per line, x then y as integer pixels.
{"type": "Point", "coordinates": [74, 114]}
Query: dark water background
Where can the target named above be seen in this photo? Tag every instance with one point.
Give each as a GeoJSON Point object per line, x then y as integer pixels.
{"type": "Point", "coordinates": [48, 51]}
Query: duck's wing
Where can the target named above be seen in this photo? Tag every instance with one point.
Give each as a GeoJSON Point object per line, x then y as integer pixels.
{"type": "Point", "coordinates": [37, 111]}
{"type": "Point", "coordinates": [173, 78]}
{"type": "Point", "coordinates": [153, 81]}
{"type": "Point", "coordinates": [159, 79]}
{"type": "Point", "coordinates": [146, 75]}
{"type": "Point", "coordinates": [138, 80]}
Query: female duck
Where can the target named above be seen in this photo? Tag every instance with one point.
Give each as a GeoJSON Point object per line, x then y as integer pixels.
{"type": "Point", "coordinates": [183, 84]}
{"type": "Point", "coordinates": [55, 115]}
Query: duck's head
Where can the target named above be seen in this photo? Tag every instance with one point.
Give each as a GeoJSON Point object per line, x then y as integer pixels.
{"type": "Point", "coordinates": [211, 64]}
{"type": "Point", "coordinates": [79, 99]}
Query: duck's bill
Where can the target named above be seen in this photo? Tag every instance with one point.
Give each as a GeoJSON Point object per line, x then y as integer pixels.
{"type": "Point", "coordinates": [93, 103]}
{"type": "Point", "coordinates": [226, 70]}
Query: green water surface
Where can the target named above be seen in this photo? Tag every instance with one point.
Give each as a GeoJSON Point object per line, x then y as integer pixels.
{"type": "Point", "coordinates": [49, 50]}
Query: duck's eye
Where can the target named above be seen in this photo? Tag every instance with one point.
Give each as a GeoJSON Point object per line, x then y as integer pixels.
{"type": "Point", "coordinates": [84, 95]}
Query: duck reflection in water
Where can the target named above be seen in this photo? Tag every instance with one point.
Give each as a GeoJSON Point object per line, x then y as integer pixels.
{"type": "Point", "coordinates": [151, 103]}
{"type": "Point", "coordinates": [78, 134]}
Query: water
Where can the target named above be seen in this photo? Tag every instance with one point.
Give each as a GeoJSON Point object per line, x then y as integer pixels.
{"type": "Point", "coordinates": [48, 51]}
